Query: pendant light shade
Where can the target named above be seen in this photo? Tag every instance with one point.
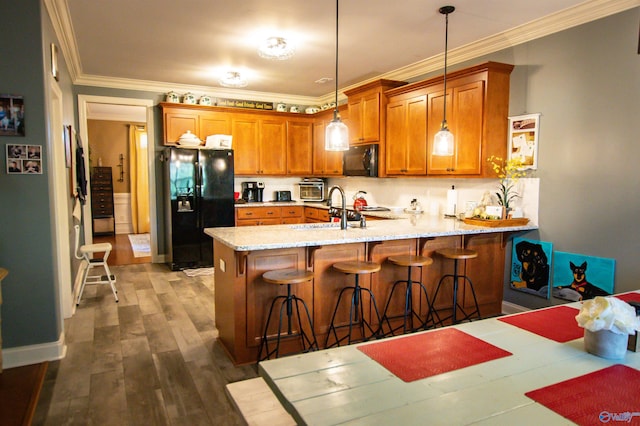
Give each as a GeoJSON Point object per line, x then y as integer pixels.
{"type": "Point", "coordinates": [443, 140]}
{"type": "Point", "coordinates": [336, 137]}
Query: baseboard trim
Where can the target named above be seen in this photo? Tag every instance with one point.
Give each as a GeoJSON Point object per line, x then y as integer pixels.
{"type": "Point", "coordinates": [512, 308]}
{"type": "Point", "coordinates": [34, 354]}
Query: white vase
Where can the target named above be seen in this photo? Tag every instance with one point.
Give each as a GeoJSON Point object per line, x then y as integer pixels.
{"type": "Point", "coordinates": [606, 343]}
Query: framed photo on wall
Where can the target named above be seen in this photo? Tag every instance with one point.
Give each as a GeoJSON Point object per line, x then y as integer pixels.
{"type": "Point", "coordinates": [523, 139]}
{"type": "Point", "coordinates": [11, 115]}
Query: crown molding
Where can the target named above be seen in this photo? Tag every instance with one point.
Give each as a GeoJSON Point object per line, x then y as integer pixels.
{"type": "Point", "coordinates": [61, 21]}
{"type": "Point", "coordinates": [588, 11]}
{"type": "Point", "coordinates": [585, 12]}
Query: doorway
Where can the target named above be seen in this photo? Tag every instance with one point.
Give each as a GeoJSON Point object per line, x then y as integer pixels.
{"type": "Point", "coordinates": [96, 113]}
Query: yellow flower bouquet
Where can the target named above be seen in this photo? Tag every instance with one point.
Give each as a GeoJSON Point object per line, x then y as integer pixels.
{"type": "Point", "coordinates": [508, 171]}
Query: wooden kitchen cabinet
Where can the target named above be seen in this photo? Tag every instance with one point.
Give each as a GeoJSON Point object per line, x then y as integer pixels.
{"type": "Point", "coordinates": [178, 119]}
{"type": "Point", "coordinates": [477, 111]}
{"type": "Point", "coordinates": [367, 110]}
{"type": "Point", "coordinates": [316, 215]}
{"type": "Point", "coordinates": [260, 144]}
{"type": "Point", "coordinates": [464, 118]}
{"type": "Point", "coordinates": [325, 163]}
{"type": "Point", "coordinates": [300, 147]}
{"type": "Point", "coordinates": [269, 215]}
{"type": "Point", "coordinates": [407, 136]}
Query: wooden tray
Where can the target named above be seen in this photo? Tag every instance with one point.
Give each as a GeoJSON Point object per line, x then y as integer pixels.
{"type": "Point", "coordinates": [496, 223]}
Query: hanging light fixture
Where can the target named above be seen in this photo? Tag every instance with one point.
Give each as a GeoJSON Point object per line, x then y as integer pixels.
{"type": "Point", "coordinates": [443, 141]}
{"type": "Point", "coordinates": [233, 79]}
{"type": "Point", "coordinates": [276, 48]}
{"type": "Point", "coordinates": [336, 136]}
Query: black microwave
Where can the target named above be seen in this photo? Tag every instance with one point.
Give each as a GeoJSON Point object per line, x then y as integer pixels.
{"type": "Point", "coordinates": [361, 160]}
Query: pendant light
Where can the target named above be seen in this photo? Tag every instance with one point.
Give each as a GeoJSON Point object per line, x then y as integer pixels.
{"type": "Point", "coordinates": [336, 137]}
{"type": "Point", "coordinates": [443, 141]}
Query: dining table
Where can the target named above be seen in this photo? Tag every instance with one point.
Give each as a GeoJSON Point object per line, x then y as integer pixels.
{"type": "Point", "coordinates": [528, 368]}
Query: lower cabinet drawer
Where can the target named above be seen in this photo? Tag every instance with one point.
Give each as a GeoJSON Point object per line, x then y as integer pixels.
{"type": "Point", "coordinates": [103, 225]}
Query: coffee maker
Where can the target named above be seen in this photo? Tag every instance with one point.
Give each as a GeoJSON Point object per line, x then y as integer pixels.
{"type": "Point", "coordinates": [252, 191]}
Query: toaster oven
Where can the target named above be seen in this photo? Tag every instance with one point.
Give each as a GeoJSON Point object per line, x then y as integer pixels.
{"type": "Point", "coordinates": [312, 189]}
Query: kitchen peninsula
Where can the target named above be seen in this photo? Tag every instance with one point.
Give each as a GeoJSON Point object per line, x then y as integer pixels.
{"type": "Point", "coordinates": [243, 254]}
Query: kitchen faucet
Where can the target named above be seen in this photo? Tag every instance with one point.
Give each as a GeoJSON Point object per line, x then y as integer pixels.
{"type": "Point", "coordinates": [343, 218]}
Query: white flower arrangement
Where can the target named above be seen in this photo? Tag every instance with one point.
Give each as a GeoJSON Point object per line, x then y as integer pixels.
{"type": "Point", "coordinates": [608, 313]}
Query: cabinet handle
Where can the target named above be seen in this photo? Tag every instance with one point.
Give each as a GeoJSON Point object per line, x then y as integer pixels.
{"type": "Point", "coordinates": [270, 213]}
{"type": "Point", "coordinates": [248, 214]}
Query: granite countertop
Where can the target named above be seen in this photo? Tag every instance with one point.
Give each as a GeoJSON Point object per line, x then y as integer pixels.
{"type": "Point", "coordinates": [396, 227]}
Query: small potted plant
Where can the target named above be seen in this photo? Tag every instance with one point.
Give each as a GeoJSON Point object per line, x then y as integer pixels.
{"type": "Point", "coordinates": [508, 172]}
{"type": "Point", "coordinates": [607, 323]}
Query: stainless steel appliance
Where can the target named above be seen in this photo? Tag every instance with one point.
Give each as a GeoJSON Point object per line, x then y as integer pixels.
{"type": "Point", "coordinates": [199, 194]}
{"type": "Point", "coordinates": [282, 195]}
{"type": "Point", "coordinates": [312, 189]}
{"type": "Point", "coordinates": [361, 160]}
{"type": "Point", "coordinates": [252, 192]}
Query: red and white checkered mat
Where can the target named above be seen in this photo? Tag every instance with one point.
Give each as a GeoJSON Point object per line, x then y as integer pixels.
{"type": "Point", "coordinates": [423, 355]}
{"type": "Point", "coordinates": [558, 323]}
{"type": "Point", "coordinates": [610, 395]}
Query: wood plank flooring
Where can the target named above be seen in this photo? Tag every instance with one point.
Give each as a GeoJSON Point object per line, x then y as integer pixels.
{"type": "Point", "coordinates": [151, 359]}
{"type": "Point", "coordinates": [122, 253]}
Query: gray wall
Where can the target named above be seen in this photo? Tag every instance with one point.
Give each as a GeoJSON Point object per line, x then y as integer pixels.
{"type": "Point", "coordinates": [586, 83]}
{"type": "Point", "coordinates": [29, 310]}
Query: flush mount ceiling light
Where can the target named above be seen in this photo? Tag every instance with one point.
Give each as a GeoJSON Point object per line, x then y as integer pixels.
{"type": "Point", "coordinates": [276, 48]}
{"type": "Point", "coordinates": [336, 136]}
{"type": "Point", "coordinates": [233, 79]}
{"type": "Point", "coordinates": [443, 141]}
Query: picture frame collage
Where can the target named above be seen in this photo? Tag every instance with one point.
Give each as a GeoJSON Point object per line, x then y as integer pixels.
{"type": "Point", "coordinates": [24, 159]}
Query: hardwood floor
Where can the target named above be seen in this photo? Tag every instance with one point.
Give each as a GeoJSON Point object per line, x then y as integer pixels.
{"type": "Point", "coordinates": [122, 253]}
{"type": "Point", "coordinates": [151, 359]}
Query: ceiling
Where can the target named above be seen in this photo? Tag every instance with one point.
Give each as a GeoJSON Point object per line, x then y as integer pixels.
{"type": "Point", "coordinates": [184, 45]}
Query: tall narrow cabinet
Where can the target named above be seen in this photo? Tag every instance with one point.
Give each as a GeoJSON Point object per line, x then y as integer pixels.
{"type": "Point", "coordinates": [102, 211]}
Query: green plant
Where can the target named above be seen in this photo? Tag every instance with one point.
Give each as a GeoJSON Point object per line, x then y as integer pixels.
{"type": "Point", "coordinates": [508, 171]}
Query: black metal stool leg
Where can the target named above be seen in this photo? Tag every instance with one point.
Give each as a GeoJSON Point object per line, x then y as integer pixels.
{"type": "Point", "coordinates": [287, 304]}
{"type": "Point", "coordinates": [456, 305]}
{"type": "Point", "coordinates": [409, 312]}
{"type": "Point", "coordinates": [356, 316]}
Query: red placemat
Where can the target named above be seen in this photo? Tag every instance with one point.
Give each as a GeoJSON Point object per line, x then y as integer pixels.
{"type": "Point", "coordinates": [557, 323]}
{"type": "Point", "coordinates": [426, 354]}
{"type": "Point", "coordinates": [610, 395]}
{"type": "Point", "coordinates": [629, 297]}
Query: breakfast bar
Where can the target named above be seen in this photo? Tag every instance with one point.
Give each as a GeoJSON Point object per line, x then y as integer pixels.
{"type": "Point", "coordinates": [243, 254]}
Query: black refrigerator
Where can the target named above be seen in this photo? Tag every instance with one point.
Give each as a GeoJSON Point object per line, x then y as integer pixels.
{"type": "Point", "coordinates": [199, 194]}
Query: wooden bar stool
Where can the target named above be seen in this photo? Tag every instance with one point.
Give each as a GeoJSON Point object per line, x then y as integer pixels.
{"type": "Point", "coordinates": [457, 254]}
{"type": "Point", "coordinates": [288, 277]}
{"type": "Point", "coordinates": [356, 310]}
{"type": "Point", "coordinates": [409, 261]}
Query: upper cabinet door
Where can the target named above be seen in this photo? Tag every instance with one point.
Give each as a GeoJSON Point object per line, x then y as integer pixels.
{"type": "Point", "coordinates": [214, 123]}
{"type": "Point", "coordinates": [246, 145]}
{"type": "Point", "coordinates": [300, 147]}
{"type": "Point", "coordinates": [465, 112]}
{"type": "Point", "coordinates": [407, 136]}
{"type": "Point", "coordinates": [273, 146]}
{"type": "Point", "coordinates": [178, 122]}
